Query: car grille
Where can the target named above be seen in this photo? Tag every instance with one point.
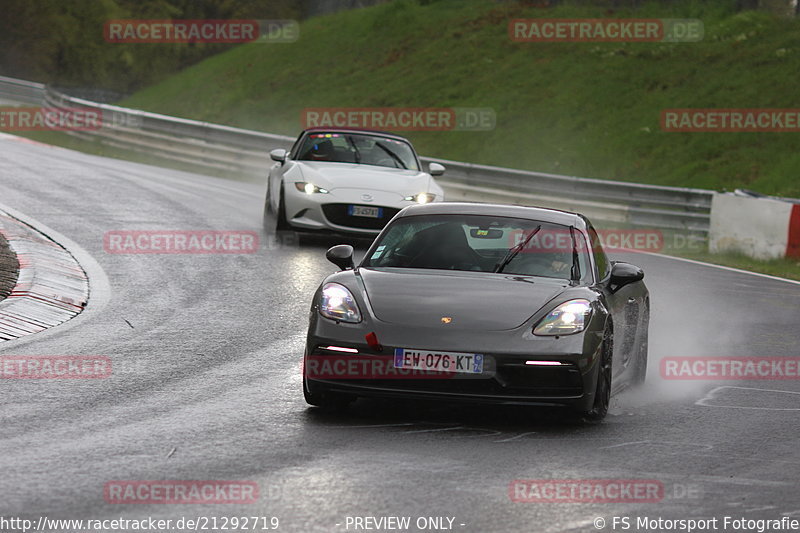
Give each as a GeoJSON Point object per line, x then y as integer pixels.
{"type": "Point", "coordinates": [511, 379]}
{"type": "Point", "coordinates": [337, 214]}
{"type": "Point", "coordinates": [555, 381]}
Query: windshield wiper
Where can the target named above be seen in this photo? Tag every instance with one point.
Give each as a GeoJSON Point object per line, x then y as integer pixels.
{"type": "Point", "coordinates": [355, 148]}
{"type": "Point", "coordinates": [392, 155]}
{"type": "Point", "coordinates": [512, 253]}
{"type": "Point", "coordinates": [575, 273]}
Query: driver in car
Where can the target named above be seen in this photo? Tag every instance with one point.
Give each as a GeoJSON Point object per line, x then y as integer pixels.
{"type": "Point", "coordinates": [535, 262]}
{"type": "Point", "coordinates": [444, 246]}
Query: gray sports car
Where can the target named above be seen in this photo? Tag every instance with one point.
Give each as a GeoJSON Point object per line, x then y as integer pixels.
{"type": "Point", "coordinates": [479, 302]}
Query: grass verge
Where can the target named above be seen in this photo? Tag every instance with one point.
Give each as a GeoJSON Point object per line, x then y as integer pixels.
{"type": "Point", "coordinates": [579, 108]}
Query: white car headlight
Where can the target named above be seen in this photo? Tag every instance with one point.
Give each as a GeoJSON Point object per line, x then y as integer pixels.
{"type": "Point", "coordinates": [421, 198]}
{"type": "Point", "coordinates": [337, 303]}
{"type": "Point", "coordinates": [569, 317]}
{"type": "Point", "coordinates": [309, 188]}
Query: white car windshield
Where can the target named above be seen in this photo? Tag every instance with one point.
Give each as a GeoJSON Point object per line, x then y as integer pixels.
{"type": "Point", "coordinates": [360, 148]}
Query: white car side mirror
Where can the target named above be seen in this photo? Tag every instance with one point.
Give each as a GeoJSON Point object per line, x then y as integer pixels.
{"type": "Point", "coordinates": [436, 169]}
{"type": "Point", "coordinates": [278, 154]}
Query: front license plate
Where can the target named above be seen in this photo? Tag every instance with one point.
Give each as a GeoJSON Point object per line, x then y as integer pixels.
{"type": "Point", "coordinates": [463, 363]}
{"type": "Point", "coordinates": [364, 211]}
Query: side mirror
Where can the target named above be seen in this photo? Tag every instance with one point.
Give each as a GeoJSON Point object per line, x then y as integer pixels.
{"type": "Point", "coordinates": [624, 274]}
{"type": "Point", "coordinates": [278, 154]}
{"type": "Point", "coordinates": [341, 255]}
{"type": "Point", "coordinates": [436, 169]}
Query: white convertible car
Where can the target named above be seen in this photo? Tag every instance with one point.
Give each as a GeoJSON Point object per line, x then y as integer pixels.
{"type": "Point", "coordinates": [346, 181]}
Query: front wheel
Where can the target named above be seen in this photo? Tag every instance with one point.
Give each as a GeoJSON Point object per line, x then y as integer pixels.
{"type": "Point", "coordinates": [275, 221]}
{"type": "Point", "coordinates": [602, 392]}
{"type": "Point", "coordinates": [640, 372]}
{"type": "Point", "coordinates": [328, 402]}
{"type": "Point", "coordinates": [270, 217]}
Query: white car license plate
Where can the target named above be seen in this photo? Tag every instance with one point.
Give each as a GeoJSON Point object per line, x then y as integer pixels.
{"type": "Point", "coordinates": [364, 211]}
{"type": "Point", "coordinates": [463, 363]}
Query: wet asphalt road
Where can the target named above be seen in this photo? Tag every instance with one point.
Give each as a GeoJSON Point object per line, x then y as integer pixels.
{"type": "Point", "coordinates": [206, 385]}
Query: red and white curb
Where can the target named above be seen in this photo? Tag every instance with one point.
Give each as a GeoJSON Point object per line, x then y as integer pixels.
{"type": "Point", "coordinates": [51, 288]}
{"type": "Point", "coordinates": [760, 227]}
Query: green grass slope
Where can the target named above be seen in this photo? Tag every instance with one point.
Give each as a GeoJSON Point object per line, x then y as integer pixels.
{"type": "Point", "coordinates": [586, 109]}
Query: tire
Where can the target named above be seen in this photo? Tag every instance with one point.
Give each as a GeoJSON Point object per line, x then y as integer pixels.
{"type": "Point", "coordinates": [270, 217]}
{"type": "Point", "coordinates": [281, 225]}
{"type": "Point", "coordinates": [327, 402]}
{"type": "Point", "coordinates": [640, 371]}
{"type": "Point", "coordinates": [602, 392]}
{"type": "Point", "coordinates": [315, 400]}
{"type": "Point", "coordinates": [275, 222]}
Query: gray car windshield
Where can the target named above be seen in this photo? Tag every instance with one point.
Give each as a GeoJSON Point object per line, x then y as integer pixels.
{"type": "Point", "coordinates": [358, 148]}
{"type": "Point", "coordinates": [483, 244]}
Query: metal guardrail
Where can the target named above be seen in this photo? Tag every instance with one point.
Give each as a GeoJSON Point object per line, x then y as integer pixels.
{"type": "Point", "coordinates": [245, 152]}
{"type": "Point", "coordinates": [25, 92]}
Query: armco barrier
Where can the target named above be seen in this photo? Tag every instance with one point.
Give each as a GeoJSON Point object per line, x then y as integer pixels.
{"type": "Point", "coordinates": [239, 151]}
{"type": "Point", "coordinates": [24, 92]}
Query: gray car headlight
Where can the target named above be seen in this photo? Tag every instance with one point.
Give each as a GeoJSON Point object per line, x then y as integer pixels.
{"type": "Point", "coordinates": [569, 317]}
{"type": "Point", "coordinates": [337, 303]}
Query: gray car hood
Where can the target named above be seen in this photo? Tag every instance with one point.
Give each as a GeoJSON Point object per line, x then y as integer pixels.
{"type": "Point", "coordinates": [473, 300]}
